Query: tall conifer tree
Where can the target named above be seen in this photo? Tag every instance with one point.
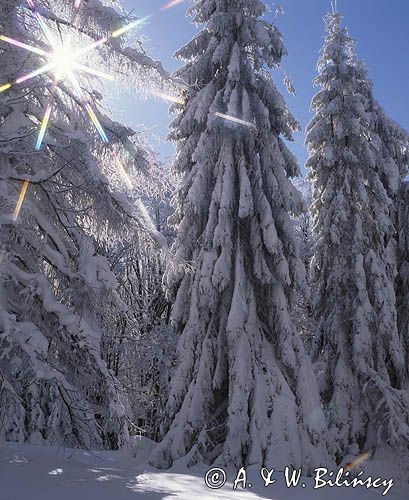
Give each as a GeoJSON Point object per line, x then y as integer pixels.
{"type": "Point", "coordinates": [244, 391]}
{"type": "Point", "coordinates": [356, 162]}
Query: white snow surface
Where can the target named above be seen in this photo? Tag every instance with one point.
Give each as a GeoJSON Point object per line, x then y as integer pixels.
{"type": "Point", "coordinates": [30, 472]}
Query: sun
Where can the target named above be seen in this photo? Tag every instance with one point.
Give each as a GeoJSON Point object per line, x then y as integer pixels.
{"type": "Point", "coordinates": [64, 60]}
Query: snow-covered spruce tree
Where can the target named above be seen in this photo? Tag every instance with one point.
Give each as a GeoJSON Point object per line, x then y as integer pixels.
{"type": "Point", "coordinates": [244, 391]}
{"type": "Point", "coordinates": [356, 162]}
{"type": "Point", "coordinates": [56, 289]}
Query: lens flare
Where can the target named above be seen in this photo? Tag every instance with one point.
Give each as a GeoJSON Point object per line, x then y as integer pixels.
{"type": "Point", "coordinates": [96, 123]}
{"type": "Point", "coordinates": [235, 120]}
{"type": "Point", "coordinates": [37, 72]}
{"type": "Point", "coordinates": [168, 97]}
{"type": "Point", "coordinates": [171, 4]}
{"type": "Point", "coordinates": [129, 27]}
{"type": "Point", "coordinates": [20, 200]}
{"type": "Point", "coordinates": [44, 126]}
{"type": "Point", "coordinates": [122, 171]}
{"type": "Point", "coordinates": [45, 30]}
{"type": "Point", "coordinates": [22, 45]}
{"type": "Point", "coordinates": [357, 461]}
{"type": "Point", "coordinates": [94, 45]}
{"type": "Point", "coordinates": [5, 87]}
{"type": "Point", "coordinates": [91, 71]}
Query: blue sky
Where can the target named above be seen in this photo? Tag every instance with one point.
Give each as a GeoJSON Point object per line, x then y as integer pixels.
{"type": "Point", "coordinates": [380, 28]}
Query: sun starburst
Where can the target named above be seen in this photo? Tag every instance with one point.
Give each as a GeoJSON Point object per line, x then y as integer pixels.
{"type": "Point", "coordinates": [64, 63]}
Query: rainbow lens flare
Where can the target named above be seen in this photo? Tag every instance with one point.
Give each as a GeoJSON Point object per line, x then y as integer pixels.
{"type": "Point", "coordinates": [96, 122]}
{"type": "Point", "coordinates": [171, 4]}
{"type": "Point", "coordinates": [44, 126]}
{"type": "Point", "coordinates": [20, 200]}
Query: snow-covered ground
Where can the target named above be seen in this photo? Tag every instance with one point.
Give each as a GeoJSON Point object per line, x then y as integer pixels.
{"type": "Point", "coordinates": [49, 473]}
